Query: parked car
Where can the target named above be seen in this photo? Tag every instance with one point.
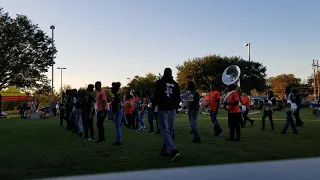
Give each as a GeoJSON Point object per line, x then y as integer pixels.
{"type": "Point", "coordinates": [3, 114]}
{"type": "Point", "coordinates": [310, 104]}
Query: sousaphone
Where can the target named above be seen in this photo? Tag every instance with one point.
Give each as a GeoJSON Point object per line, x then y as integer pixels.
{"type": "Point", "coordinates": [231, 75]}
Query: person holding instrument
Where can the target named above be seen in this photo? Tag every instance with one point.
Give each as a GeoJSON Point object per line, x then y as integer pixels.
{"type": "Point", "coordinates": [270, 101]}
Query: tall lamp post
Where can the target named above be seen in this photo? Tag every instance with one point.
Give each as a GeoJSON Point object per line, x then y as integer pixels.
{"type": "Point", "coordinates": [248, 44]}
{"type": "Point", "coordinates": [52, 27]}
{"type": "Point", "coordinates": [61, 82]}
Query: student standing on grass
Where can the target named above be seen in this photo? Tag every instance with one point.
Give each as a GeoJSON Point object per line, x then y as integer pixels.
{"type": "Point", "coordinates": [290, 98]}
{"type": "Point", "coordinates": [142, 110]}
{"type": "Point", "coordinates": [166, 101]}
{"type": "Point", "coordinates": [271, 101]}
{"type": "Point", "coordinates": [62, 108]}
{"type": "Point", "coordinates": [193, 111]}
{"type": "Point", "coordinates": [128, 108]}
{"type": "Point", "coordinates": [234, 114]}
{"type": "Point", "coordinates": [296, 114]}
{"type": "Point", "coordinates": [136, 110]}
{"type": "Point", "coordinates": [89, 111]}
{"type": "Point", "coordinates": [245, 100]}
{"type": "Point", "coordinates": [117, 111]}
{"type": "Point", "coordinates": [101, 108]}
{"type": "Point", "coordinates": [214, 101]}
{"type": "Point", "coordinates": [74, 109]}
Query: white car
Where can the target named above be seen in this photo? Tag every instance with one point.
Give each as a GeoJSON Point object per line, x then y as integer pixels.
{"type": "Point", "coordinates": [3, 114]}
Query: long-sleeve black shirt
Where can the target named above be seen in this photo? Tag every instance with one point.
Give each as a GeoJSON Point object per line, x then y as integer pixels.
{"type": "Point", "coordinates": [166, 95]}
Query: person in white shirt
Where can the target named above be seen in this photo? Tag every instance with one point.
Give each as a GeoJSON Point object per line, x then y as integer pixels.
{"type": "Point", "coordinates": [291, 99]}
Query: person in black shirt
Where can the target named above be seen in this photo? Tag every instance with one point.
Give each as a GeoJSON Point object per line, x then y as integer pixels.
{"type": "Point", "coordinates": [117, 111]}
{"type": "Point", "coordinates": [166, 102]}
{"type": "Point", "coordinates": [89, 111]}
{"type": "Point", "coordinates": [296, 114]}
{"type": "Point", "coordinates": [272, 101]}
{"type": "Point", "coordinates": [193, 110]}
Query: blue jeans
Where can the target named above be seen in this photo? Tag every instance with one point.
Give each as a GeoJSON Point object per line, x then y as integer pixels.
{"type": "Point", "coordinates": [78, 121]}
{"type": "Point", "coordinates": [166, 126]}
{"type": "Point", "coordinates": [214, 120]}
{"type": "Point", "coordinates": [289, 121]}
{"type": "Point", "coordinates": [117, 122]}
{"type": "Point", "coordinates": [193, 118]}
{"type": "Point", "coordinates": [141, 116]}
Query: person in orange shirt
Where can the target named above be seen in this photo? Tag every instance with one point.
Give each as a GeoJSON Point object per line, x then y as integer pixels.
{"type": "Point", "coordinates": [128, 108]}
{"type": "Point", "coordinates": [101, 108]}
{"type": "Point", "coordinates": [136, 111]}
{"type": "Point", "coordinates": [245, 100]}
{"type": "Point", "coordinates": [234, 113]}
{"type": "Point", "coordinates": [214, 102]}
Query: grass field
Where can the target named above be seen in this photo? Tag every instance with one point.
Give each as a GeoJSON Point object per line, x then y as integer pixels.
{"type": "Point", "coordinates": [41, 148]}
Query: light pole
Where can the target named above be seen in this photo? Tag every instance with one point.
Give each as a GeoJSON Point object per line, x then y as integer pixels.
{"type": "Point", "coordinates": [248, 44]}
{"type": "Point", "coordinates": [52, 27]}
{"type": "Point", "coordinates": [61, 83]}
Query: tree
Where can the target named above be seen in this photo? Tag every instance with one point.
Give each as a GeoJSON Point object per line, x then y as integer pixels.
{"type": "Point", "coordinates": [203, 71]}
{"type": "Point", "coordinates": [25, 53]}
{"type": "Point", "coordinates": [141, 84]}
{"type": "Point", "coordinates": [280, 82]}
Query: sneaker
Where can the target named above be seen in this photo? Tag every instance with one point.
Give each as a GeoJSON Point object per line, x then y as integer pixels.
{"type": "Point", "coordinates": [221, 134]}
{"type": "Point", "coordinates": [89, 139]}
{"type": "Point", "coordinates": [174, 154]}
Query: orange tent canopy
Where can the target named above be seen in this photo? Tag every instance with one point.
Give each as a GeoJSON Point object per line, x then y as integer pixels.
{"type": "Point", "coordinates": [13, 94]}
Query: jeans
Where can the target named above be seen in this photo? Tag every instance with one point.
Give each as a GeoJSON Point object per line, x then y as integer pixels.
{"type": "Point", "coordinates": [214, 120]}
{"type": "Point", "coordinates": [117, 121]}
{"type": "Point", "coordinates": [193, 118]}
{"type": "Point", "coordinates": [166, 126]}
{"type": "Point", "coordinates": [289, 121]}
{"type": "Point", "coordinates": [101, 116]}
{"type": "Point", "coordinates": [141, 118]}
{"type": "Point", "coordinates": [79, 121]}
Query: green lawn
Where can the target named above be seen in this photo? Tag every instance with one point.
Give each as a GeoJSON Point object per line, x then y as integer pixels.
{"type": "Point", "coordinates": [41, 148]}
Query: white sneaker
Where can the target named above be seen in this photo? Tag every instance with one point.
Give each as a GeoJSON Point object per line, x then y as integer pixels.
{"type": "Point", "coordinates": [221, 134]}
{"type": "Point", "coordinates": [90, 139]}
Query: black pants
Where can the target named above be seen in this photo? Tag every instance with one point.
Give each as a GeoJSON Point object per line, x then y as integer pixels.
{"type": "Point", "coordinates": [234, 122]}
{"type": "Point", "coordinates": [136, 119]}
{"type": "Point", "coordinates": [130, 119]}
{"type": "Point", "coordinates": [62, 116]}
{"type": "Point", "coordinates": [267, 114]}
{"type": "Point", "coordinates": [296, 114]}
{"type": "Point", "coordinates": [101, 116]}
{"type": "Point", "coordinates": [156, 117]}
{"type": "Point", "coordinates": [54, 111]}
{"type": "Point", "coordinates": [246, 118]}
{"type": "Point", "coordinates": [88, 126]}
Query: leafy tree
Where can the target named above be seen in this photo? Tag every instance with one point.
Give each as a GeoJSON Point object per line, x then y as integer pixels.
{"type": "Point", "coordinates": [25, 53]}
{"type": "Point", "coordinates": [140, 84]}
{"type": "Point", "coordinates": [280, 82]}
{"type": "Point", "coordinates": [203, 71]}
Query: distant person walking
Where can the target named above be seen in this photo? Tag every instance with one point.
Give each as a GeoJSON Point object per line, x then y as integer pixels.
{"type": "Point", "coordinates": [214, 102]}
{"type": "Point", "coordinates": [101, 108]}
{"type": "Point", "coordinates": [193, 111]}
{"type": "Point", "coordinates": [271, 100]}
{"type": "Point", "coordinates": [166, 101]}
{"type": "Point", "coordinates": [117, 111]}
{"type": "Point", "coordinates": [54, 107]}
{"type": "Point", "coordinates": [89, 111]}
{"type": "Point", "coordinates": [296, 113]}
{"type": "Point", "coordinates": [290, 98]}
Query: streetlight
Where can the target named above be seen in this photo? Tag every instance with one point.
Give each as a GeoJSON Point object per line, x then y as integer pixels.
{"type": "Point", "coordinates": [248, 44]}
{"type": "Point", "coordinates": [61, 83]}
{"type": "Point", "coordinates": [52, 27]}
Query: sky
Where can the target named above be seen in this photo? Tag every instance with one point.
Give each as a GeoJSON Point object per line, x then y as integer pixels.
{"type": "Point", "coordinates": [112, 40]}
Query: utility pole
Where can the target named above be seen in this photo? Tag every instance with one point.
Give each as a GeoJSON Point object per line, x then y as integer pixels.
{"type": "Point", "coordinates": [316, 82]}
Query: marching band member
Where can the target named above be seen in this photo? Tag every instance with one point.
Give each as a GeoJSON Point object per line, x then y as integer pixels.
{"type": "Point", "coordinates": [142, 110]}
{"type": "Point", "coordinates": [245, 100]}
{"type": "Point", "coordinates": [271, 100]}
{"type": "Point", "coordinates": [128, 108]}
{"type": "Point", "coordinates": [234, 113]}
{"type": "Point", "coordinates": [290, 98]}
{"type": "Point", "coordinates": [117, 111]}
{"type": "Point", "coordinates": [214, 102]}
{"type": "Point", "coordinates": [135, 111]}
{"type": "Point", "coordinates": [193, 111]}
{"type": "Point", "coordinates": [296, 114]}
